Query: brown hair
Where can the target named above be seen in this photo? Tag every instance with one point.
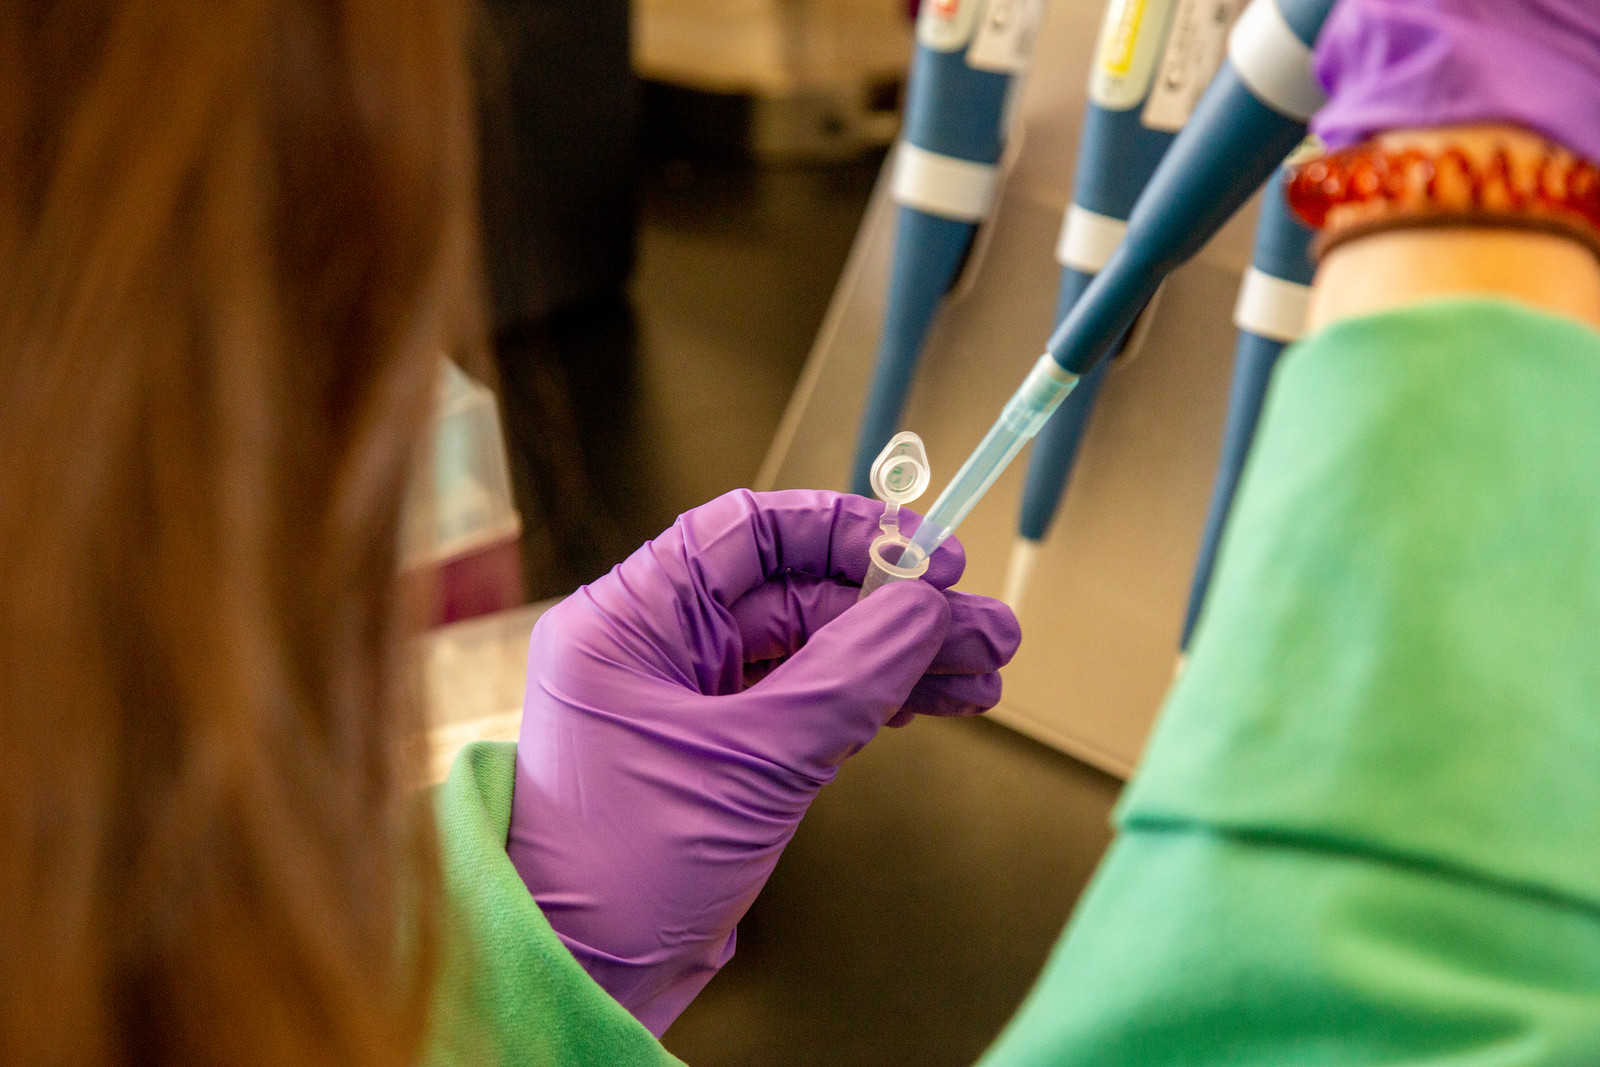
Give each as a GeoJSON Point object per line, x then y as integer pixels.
{"type": "Point", "coordinates": [234, 237]}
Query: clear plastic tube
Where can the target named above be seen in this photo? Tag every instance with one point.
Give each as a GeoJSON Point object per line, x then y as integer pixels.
{"type": "Point", "coordinates": [1023, 416]}
{"type": "Point", "coordinates": [899, 475]}
{"type": "Point", "coordinates": [881, 572]}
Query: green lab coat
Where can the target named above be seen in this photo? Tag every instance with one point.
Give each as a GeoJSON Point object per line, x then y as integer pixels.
{"type": "Point", "coordinates": [1367, 828]}
{"type": "Point", "coordinates": [511, 993]}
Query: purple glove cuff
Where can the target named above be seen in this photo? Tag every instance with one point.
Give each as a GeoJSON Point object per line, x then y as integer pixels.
{"type": "Point", "coordinates": [1410, 63]}
{"type": "Point", "coordinates": [656, 990]}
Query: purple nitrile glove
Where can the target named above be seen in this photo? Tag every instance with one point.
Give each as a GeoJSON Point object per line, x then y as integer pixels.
{"type": "Point", "coordinates": [683, 711]}
{"type": "Point", "coordinates": [1390, 64]}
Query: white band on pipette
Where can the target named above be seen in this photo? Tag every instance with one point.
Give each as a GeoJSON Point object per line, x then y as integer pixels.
{"type": "Point", "coordinates": [1046, 385]}
{"type": "Point", "coordinates": [1046, 370]}
{"type": "Point", "coordinates": [1271, 307]}
{"type": "Point", "coordinates": [942, 185]}
{"type": "Point", "coordinates": [1088, 239]}
{"type": "Point", "coordinates": [1273, 62]}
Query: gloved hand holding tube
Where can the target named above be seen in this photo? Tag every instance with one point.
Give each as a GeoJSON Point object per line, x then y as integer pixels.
{"type": "Point", "coordinates": [683, 711]}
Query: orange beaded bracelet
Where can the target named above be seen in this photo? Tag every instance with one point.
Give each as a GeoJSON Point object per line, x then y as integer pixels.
{"type": "Point", "coordinates": [1370, 187]}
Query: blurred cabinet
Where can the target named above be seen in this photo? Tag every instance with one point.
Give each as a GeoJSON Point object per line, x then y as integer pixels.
{"type": "Point", "coordinates": [459, 526]}
{"type": "Point", "coordinates": [558, 113]}
{"type": "Point", "coordinates": [825, 76]}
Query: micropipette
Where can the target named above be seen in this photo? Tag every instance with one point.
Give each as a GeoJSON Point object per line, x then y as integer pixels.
{"type": "Point", "coordinates": [1153, 61]}
{"type": "Point", "coordinates": [1253, 113]}
{"type": "Point", "coordinates": [969, 56]}
{"type": "Point", "coordinates": [1270, 314]}
{"type": "Point", "coordinates": [1040, 394]}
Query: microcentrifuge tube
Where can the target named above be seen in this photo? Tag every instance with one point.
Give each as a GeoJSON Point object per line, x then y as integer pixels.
{"type": "Point", "coordinates": [899, 475]}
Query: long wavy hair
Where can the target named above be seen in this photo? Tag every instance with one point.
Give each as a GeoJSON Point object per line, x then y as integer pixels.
{"type": "Point", "coordinates": [235, 236]}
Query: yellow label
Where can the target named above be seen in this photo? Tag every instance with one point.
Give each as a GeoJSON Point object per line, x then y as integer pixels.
{"type": "Point", "coordinates": [1121, 41]}
{"type": "Point", "coordinates": [1131, 37]}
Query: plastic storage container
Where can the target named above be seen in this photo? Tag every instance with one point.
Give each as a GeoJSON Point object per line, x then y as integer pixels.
{"type": "Point", "coordinates": [460, 522]}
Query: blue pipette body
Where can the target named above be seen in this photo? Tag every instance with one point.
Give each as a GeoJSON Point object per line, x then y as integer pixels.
{"type": "Point", "coordinates": [953, 127]}
{"type": "Point", "coordinates": [1186, 202]}
{"type": "Point", "coordinates": [1271, 314]}
{"type": "Point", "coordinates": [1056, 449]}
{"type": "Point", "coordinates": [1253, 113]}
{"type": "Point", "coordinates": [929, 251]}
{"type": "Point", "coordinates": [1232, 144]}
{"type": "Point", "coordinates": [1117, 153]}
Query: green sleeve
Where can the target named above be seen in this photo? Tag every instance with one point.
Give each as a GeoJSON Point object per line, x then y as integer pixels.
{"type": "Point", "coordinates": [511, 993]}
{"type": "Point", "coordinates": [1367, 827]}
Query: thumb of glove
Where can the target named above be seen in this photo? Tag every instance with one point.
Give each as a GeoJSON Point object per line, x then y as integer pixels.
{"type": "Point", "coordinates": [828, 699]}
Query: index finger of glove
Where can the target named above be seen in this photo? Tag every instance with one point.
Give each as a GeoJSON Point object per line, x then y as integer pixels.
{"type": "Point", "coordinates": [741, 539]}
{"type": "Point", "coordinates": [777, 617]}
{"type": "Point", "coordinates": [830, 697]}
{"type": "Point", "coordinates": [983, 636]}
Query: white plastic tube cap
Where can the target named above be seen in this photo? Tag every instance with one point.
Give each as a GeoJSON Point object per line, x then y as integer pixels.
{"type": "Point", "coordinates": [901, 473]}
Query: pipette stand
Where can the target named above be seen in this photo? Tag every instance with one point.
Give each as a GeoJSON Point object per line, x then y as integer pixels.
{"type": "Point", "coordinates": [1102, 617]}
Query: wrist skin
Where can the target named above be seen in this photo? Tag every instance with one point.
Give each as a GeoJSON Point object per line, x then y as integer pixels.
{"type": "Point", "coordinates": [1395, 268]}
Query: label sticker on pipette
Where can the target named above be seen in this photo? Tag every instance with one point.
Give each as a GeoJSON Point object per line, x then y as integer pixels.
{"type": "Point", "coordinates": [1006, 36]}
{"type": "Point", "coordinates": [1195, 47]}
{"type": "Point", "coordinates": [947, 25]}
{"type": "Point", "coordinates": [1125, 57]}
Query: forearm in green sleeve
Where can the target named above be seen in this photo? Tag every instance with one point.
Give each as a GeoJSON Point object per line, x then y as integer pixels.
{"type": "Point", "coordinates": [1367, 828]}
{"type": "Point", "coordinates": [510, 993]}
